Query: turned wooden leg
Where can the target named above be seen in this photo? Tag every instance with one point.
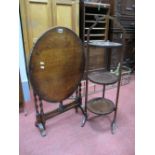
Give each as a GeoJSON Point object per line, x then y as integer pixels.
{"type": "Point", "coordinates": [43, 121]}
{"type": "Point", "coordinates": [36, 109]}
{"type": "Point", "coordinates": [77, 94]}
{"type": "Point", "coordinates": [40, 121]}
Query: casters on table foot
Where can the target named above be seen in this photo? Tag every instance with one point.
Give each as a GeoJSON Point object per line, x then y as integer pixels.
{"type": "Point", "coordinates": [42, 130]}
{"type": "Point", "coordinates": [113, 127]}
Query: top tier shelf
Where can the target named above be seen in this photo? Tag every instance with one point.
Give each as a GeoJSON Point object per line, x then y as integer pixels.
{"type": "Point", "coordinates": [105, 44]}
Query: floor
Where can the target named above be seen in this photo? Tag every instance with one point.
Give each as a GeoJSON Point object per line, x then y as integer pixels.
{"type": "Point", "coordinates": [64, 136]}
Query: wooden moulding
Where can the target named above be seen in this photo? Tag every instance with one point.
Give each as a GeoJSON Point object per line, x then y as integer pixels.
{"type": "Point", "coordinates": [38, 1]}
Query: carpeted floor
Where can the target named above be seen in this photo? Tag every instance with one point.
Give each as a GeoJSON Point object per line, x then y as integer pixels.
{"type": "Point", "coordinates": [66, 137]}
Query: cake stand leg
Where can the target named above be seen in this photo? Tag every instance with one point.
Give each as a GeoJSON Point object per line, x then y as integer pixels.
{"type": "Point", "coordinates": [84, 119]}
{"type": "Point", "coordinates": [113, 127]}
{"type": "Point", "coordinates": [80, 106]}
{"type": "Point", "coordinates": [103, 95]}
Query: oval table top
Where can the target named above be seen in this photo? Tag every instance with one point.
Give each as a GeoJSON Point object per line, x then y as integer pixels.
{"type": "Point", "coordinates": [56, 64]}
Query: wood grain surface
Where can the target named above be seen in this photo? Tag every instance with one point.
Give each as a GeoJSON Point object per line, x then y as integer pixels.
{"type": "Point", "coordinates": [56, 64]}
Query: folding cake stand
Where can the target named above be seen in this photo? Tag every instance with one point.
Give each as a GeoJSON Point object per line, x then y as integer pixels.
{"type": "Point", "coordinates": [107, 76]}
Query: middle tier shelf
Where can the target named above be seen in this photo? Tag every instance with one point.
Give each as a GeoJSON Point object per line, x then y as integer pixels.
{"type": "Point", "coordinates": [102, 77]}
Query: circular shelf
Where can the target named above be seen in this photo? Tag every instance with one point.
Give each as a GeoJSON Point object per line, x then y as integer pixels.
{"type": "Point", "coordinates": [100, 106]}
{"type": "Point", "coordinates": [106, 44]}
{"type": "Point", "coordinates": [101, 77]}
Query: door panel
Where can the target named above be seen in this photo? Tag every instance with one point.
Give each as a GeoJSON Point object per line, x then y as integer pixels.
{"type": "Point", "coordinates": [39, 19]}
{"type": "Point", "coordinates": [64, 16]}
{"type": "Point", "coordinates": [39, 15]}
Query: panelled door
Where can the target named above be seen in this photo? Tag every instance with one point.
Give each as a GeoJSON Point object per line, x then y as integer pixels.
{"type": "Point", "coordinates": [39, 15]}
{"type": "Point", "coordinates": [66, 13]}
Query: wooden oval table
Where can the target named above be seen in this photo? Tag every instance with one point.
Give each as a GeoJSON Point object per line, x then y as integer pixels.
{"type": "Point", "coordinates": [56, 68]}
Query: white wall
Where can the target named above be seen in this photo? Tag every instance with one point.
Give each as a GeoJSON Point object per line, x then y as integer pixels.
{"type": "Point", "coordinates": [22, 68]}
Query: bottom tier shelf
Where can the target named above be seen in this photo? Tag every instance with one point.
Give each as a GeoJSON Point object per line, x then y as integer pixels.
{"type": "Point", "coordinates": [100, 106]}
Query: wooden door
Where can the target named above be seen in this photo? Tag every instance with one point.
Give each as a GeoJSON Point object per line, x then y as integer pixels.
{"type": "Point", "coordinates": [66, 13]}
{"type": "Point", "coordinates": [36, 18]}
{"type": "Point", "coordinates": [39, 15]}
